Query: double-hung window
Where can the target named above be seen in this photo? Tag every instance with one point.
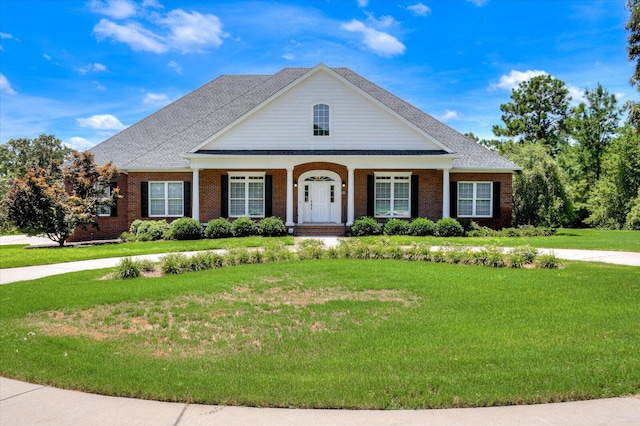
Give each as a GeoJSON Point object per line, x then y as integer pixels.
{"type": "Point", "coordinates": [392, 194]}
{"type": "Point", "coordinates": [246, 194]}
{"type": "Point", "coordinates": [166, 199]}
{"type": "Point", "coordinates": [321, 120]}
{"type": "Point", "coordinates": [104, 210]}
{"type": "Point", "coordinates": [474, 199]}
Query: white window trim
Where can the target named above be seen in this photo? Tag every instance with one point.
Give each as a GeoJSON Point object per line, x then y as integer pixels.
{"type": "Point", "coordinates": [247, 175]}
{"type": "Point", "coordinates": [166, 199]}
{"type": "Point", "coordinates": [331, 127]}
{"type": "Point", "coordinates": [105, 209]}
{"type": "Point", "coordinates": [475, 199]}
{"type": "Point", "coordinates": [392, 175]}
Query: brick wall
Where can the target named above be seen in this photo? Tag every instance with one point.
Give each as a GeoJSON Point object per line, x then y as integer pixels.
{"type": "Point", "coordinates": [506, 196]}
{"type": "Point", "coordinates": [109, 227]}
{"type": "Point", "coordinates": [429, 182]}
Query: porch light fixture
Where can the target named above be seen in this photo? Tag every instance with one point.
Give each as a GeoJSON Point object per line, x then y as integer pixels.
{"type": "Point", "coordinates": [344, 185]}
{"type": "Point", "coordinates": [295, 184]}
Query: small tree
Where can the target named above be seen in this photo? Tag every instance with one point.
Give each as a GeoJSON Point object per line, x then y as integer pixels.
{"type": "Point", "coordinates": [54, 201]}
{"type": "Point", "coordinates": [540, 195]}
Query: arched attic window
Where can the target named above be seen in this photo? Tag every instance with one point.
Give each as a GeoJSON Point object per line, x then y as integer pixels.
{"type": "Point", "coordinates": [321, 120]}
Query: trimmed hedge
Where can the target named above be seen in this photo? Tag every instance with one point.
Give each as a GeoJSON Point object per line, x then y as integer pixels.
{"type": "Point", "coordinates": [186, 228]}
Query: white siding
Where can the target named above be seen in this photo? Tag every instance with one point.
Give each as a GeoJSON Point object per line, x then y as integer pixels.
{"type": "Point", "coordinates": [355, 122]}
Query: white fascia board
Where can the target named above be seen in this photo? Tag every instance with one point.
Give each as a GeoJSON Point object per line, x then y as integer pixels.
{"type": "Point", "coordinates": [487, 170]}
{"type": "Point", "coordinates": [157, 170]}
{"type": "Point", "coordinates": [387, 162]}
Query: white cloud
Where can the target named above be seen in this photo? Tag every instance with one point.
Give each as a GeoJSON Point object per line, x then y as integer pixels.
{"type": "Point", "coordinates": [193, 31]}
{"type": "Point", "coordinates": [379, 42]}
{"type": "Point", "coordinates": [116, 9]}
{"type": "Point", "coordinates": [79, 144]}
{"type": "Point", "coordinates": [152, 3]}
{"type": "Point", "coordinates": [288, 56]}
{"type": "Point", "coordinates": [479, 3]}
{"type": "Point", "coordinates": [449, 115]}
{"type": "Point", "coordinates": [419, 9]}
{"type": "Point", "coordinates": [183, 31]}
{"type": "Point", "coordinates": [95, 67]}
{"type": "Point", "coordinates": [385, 21]}
{"type": "Point", "coordinates": [5, 86]}
{"type": "Point", "coordinates": [99, 85]}
{"type": "Point", "coordinates": [363, 3]}
{"type": "Point", "coordinates": [514, 78]}
{"type": "Point", "coordinates": [175, 66]}
{"type": "Point", "coordinates": [5, 35]}
{"type": "Point", "coordinates": [101, 122]}
{"type": "Point", "coordinates": [47, 57]}
{"type": "Point", "coordinates": [156, 99]}
{"type": "Point", "coordinates": [133, 34]}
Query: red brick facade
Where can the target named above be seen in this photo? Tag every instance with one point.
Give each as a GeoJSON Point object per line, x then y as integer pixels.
{"type": "Point", "coordinates": [430, 194]}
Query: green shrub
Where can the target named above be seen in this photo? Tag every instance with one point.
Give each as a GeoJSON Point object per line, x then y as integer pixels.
{"type": "Point", "coordinates": [527, 253]}
{"type": "Point", "coordinates": [219, 228]}
{"type": "Point", "coordinates": [146, 265]}
{"type": "Point", "coordinates": [175, 263]}
{"type": "Point", "coordinates": [364, 226]}
{"type": "Point", "coordinates": [448, 227]}
{"type": "Point", "coordinates": [244, 227]}
{"type": "Point", "coordinates": [547, 261]}
{"type": "Point", "coordinates": [186, 228]}
{"type": "Point", "coordinates": [421, 227]}
{"type": "Point", "coordinates": [135, 225]}
{"type": "Point", "coordinates": [272, 227]}
{"type": "Point", "coordinates": [127, 236]}
{"type": "Point", "coordinates": [127, 268]}
{"type": "Point", "coordinates": [395, 226]}
{"type": "Point", "coordinates": [310, 249]}
{"type": "Point", "coordinates": [467, 224]}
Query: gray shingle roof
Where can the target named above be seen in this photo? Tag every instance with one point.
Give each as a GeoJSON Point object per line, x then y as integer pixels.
{"type": "Point", "coordinates": [159, 140]}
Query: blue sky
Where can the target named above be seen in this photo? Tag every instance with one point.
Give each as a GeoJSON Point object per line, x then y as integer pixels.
{"type": "Point", "coordinates": [83, 70]}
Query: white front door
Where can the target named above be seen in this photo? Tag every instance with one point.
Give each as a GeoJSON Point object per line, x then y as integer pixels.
{"type": "Point", "coordinates": [319, 199]}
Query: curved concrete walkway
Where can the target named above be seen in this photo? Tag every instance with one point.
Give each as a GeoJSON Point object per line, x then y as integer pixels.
{"type": "Point", "coordinates": [28, 404]}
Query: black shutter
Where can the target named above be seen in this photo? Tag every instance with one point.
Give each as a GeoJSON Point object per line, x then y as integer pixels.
{"type": "Point", "coordinates": [144, 199]}
{"type": "Point", "coordinates": [186, 194]}
{"type": "Point", "coordinates": [268, 196]}
{"type": "Point", "coordinates": [371, 186]}
{"type": "Point", "coordinates": [453, 199]}
{"type": "Point", "coordinates": [224, 196]}
{"type": "Point", "coordinates": [114, 208]}
{"type": "Point", "coordinates": [496, 200]}
{"type": "Point", "coordinates": [414, 196]}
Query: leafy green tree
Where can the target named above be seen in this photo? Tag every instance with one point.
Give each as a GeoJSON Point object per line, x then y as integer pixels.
{"type": "Point", "coordinates": [540, 194]}
{"type": "Point", "coordinates": [55, 201]}
{"type": "Point", "coordinates": [611, 199]}
{"type": "Point", "coordinates": [18, 154]}
{"type": "Point", "coordinates": [633, 217]}
{"type": "Point", "coordinates": [593, 125]}
{"type": "Point", "coordinates": [537, 113]}
{"type": "Point", "coordinates": [633, 51]}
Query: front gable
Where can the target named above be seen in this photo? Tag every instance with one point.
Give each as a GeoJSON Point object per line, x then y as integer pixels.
{"type": "Point", "coordinates": [356, 121]}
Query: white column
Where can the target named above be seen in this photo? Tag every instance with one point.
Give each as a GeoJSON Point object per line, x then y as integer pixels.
{"type": "Point", "coordinates": [195, 192]}
{"type": "Point", "coordinates": [350, 196]}
{"type": "Point", "coordinates": [289, 221]}
{"type": "Point", "coordinates": [446, 208]}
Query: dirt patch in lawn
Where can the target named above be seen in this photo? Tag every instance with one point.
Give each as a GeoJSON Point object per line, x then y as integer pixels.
{"type": "Point", "coordinates": [244, 318]}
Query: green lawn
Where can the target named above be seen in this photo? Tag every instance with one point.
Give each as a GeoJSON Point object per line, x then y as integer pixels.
{"type": "Point", "coordinates": [377, 334]}
{"type": "Point", "coordinates": [587, 239]}
{"type": "Point", "coordinates": [13, 256]}
{"type": "Point", "coordinates": [590, 239]}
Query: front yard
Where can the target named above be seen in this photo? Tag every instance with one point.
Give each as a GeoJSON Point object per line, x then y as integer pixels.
{"type": "Point", "coordinates": [332, 333]}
